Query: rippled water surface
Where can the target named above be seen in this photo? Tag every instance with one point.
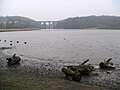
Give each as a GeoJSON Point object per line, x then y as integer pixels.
{"type": "Point", "coordinates": [68, 46]}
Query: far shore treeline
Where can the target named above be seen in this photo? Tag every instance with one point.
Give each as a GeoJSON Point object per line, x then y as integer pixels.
{"type": "Point", "coordinates": [97, 22]}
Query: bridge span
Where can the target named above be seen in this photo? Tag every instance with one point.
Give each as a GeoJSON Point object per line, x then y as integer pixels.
{"type": "Point", "coordinates": [48, 24]}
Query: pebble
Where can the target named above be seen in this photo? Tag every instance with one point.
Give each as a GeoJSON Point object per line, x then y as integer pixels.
{"type": "Point", "coordinates": [108, 72]}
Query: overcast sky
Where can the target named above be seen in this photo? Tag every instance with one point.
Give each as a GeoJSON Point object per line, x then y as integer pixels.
{"type": "Point", "coordinates": [58, 9]}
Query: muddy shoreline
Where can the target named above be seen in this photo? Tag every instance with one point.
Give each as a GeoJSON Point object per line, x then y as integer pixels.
{"type": "Point", "coordinates": [21, 29]}
{"type": "Point", "coordinates": [47, 75]}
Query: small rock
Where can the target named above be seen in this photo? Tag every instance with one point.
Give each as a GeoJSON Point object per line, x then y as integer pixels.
{"type": "Point", "coordinates": [108, 72]}
{"type": "Point", "coordinates": [95, 74]}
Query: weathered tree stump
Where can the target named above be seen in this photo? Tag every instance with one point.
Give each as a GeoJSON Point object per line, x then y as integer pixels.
{"type": "Point", "coordinates": [13, 60]}
{"type": "Point", "coordinates": [76, 72]}
{"type": "Point", "coordinates": [107, 64]}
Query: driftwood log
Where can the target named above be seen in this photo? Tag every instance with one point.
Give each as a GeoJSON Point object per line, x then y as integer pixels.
{"type": "Point", "coordinates": [107, 64]}
{"type": "Point", "coordinates": [70, 73]}
{"type": "Point", "coordinates": [13, 60]}
{"type": "Point", "coordinates": [76, 72]}
{"type": "Point", "coordinates": [83, 68]}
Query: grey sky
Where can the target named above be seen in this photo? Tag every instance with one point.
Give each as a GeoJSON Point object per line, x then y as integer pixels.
{"type": "Point", "coordinates": [58, 9]}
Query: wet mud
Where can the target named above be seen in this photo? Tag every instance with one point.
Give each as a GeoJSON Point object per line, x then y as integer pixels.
{"type": "Point", "coordinates": [51, 69]}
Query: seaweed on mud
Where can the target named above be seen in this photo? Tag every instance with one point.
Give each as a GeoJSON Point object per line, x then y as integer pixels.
{"type": "Point", "coordinates": [3, 48]}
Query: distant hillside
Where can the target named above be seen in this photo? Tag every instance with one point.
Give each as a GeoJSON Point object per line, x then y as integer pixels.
{"type": "Point", "coordinates": [98, 22]}
{"type": "Point", "coordinates": [17, 22]}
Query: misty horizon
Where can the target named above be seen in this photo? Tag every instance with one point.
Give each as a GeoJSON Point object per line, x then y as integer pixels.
{"type": "Point", "coordinates": [57, 10]}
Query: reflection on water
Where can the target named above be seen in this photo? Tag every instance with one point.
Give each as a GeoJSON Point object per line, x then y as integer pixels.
{"type": "Point", "coordinates": [68, 46]}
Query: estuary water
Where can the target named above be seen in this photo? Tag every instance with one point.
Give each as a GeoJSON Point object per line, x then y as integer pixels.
{"type": "Point", "coordinates": [66, 46]}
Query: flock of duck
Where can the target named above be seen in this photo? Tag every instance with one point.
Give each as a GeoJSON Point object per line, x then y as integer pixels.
{"type": "Point", "coordinates": [12, 41]}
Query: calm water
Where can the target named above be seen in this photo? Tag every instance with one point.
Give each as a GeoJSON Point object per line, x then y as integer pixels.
{"type": "Point", "coordinates": [68, 46]}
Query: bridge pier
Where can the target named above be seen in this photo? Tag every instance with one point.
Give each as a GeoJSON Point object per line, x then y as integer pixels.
{"type": "Point", "coordinates": [47, 24]}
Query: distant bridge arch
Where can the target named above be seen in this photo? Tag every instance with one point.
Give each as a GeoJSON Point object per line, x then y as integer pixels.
{"type": "Point", "coordinates": [48, 24]}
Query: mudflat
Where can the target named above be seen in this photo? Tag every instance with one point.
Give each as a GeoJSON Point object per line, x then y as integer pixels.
{"type": "Point", "coordinates": [25, 77]}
